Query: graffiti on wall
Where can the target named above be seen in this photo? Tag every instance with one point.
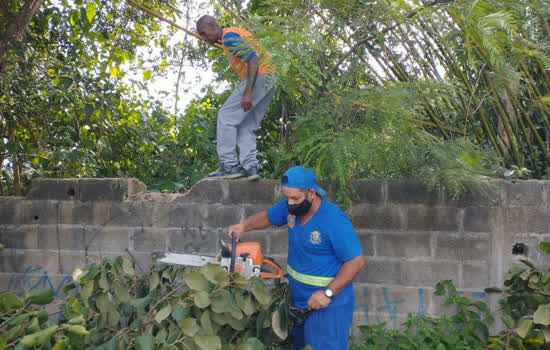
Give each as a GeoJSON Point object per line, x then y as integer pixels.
{"type": "Point", "coordinates": [37, 277]}
{"type": "Point", "coordinates": [391, 307]}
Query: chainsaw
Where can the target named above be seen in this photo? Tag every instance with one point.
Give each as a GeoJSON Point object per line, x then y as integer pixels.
{"type": "Point", "coordinates": [244, 258]}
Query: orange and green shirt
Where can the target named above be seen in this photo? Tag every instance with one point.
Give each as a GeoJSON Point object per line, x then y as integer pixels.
{"type": "Point", "coordinates": [241, 46]}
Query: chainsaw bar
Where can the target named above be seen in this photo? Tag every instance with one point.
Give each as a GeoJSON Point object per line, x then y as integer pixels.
{"type": "Point", "coordinates": [183, 259]}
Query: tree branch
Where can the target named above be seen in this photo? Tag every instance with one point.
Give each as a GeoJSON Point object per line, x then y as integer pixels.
{"type": "Point", "coordinates": [17, 26]}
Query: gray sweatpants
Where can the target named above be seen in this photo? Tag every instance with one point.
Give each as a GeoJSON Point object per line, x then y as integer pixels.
{"type": "Point", "coordinates": [236, 128]}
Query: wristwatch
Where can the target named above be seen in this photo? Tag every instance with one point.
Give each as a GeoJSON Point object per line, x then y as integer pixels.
{"type": "Point", "coordinates": [329, 293]}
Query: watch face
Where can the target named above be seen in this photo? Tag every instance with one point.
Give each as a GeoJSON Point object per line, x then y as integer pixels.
{"type": "Point", "coordinates": [329, 293]}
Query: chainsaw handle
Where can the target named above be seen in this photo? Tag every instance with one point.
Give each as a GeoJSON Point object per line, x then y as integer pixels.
{"type": "Point", "coordinates": [233, 252]}
{"type": "Point", "coordinates": [279, 273]}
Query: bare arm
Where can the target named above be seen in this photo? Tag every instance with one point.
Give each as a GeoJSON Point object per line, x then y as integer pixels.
{"type": "Point", "coordinates": [256, 221]}
{"type": "Point", "coordinates": [246, 102]}
{"type": "Point", "coordinates": [345, 276]}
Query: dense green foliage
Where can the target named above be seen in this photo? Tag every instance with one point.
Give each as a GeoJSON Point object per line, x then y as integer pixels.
{"type": "Point", "coordinates": [451, 93]}
{"type": "Point", "coordinates": [524, 311]}
{"type": "Point", "coordinates": [167, 308]}
{"type": "Point", "coordinates": [467, 329]}
{"type": "Point", "coordinates": [526, 308]}
{"type": "Point", "coordinates": [206, 308]}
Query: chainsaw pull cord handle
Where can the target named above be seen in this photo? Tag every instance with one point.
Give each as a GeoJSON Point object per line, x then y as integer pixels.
{"type": "Point", "coordinates": [233, 251]}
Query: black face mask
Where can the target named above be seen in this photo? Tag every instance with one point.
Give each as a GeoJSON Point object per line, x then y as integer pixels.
{"type": "Point", "coordinates": [300, 208]}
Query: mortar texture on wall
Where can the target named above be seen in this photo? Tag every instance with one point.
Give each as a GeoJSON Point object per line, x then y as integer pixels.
{"type": "Point", "coordinates": [411, 237]}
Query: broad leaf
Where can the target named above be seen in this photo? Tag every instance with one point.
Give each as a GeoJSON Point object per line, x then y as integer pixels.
{"type": "Point", "coordinates": [524, 328]}
{"type": "Point", "coordinates": [542, 315]}
{"type": "Point", "coordinates": [189, 326]}
{"type": "Point", "coordinates": [208, 342]}
{"type": "Point", "coordinates": [145, 342]}
{"type": "Point", "coordinates": [121, 292]}
{"type": "Point", "coordinates": [180, 313]}
{"type": "Point", "coordinates": [90, 11]}
{"type": "Point", "coordinates": [163, 313]}
{"type": "Point", "coordinates": [196, 281]}
{"type": "Point", "coordinates": [201, 299]}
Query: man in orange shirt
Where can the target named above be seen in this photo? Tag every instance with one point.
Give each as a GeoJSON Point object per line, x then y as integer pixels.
{"type": "Point", "coordinates": [241, 114]}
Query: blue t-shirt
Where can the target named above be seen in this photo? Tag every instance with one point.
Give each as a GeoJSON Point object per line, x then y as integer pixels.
{"type": "Point", "coordinates": [238, 47]}
{"type": "Point", "coordinates": [319, 248]}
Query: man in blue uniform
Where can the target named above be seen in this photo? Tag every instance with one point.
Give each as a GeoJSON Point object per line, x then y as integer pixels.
{"type": "Point", "coordinates": [324, 256]}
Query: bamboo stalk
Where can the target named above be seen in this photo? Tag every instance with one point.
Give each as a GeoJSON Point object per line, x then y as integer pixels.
{"type": "Point", "coordinates": [16, 175]}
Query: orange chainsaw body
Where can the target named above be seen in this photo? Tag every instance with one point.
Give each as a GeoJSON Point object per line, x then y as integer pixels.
{"type": "Point", "coordinates": [252, 250]}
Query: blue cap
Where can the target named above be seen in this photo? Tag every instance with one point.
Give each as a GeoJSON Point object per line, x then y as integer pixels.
{"type": "Point", "coordinates": [302, 178]}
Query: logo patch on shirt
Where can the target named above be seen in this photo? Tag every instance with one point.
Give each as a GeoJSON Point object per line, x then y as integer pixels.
{"type": "Point", "coordinates": [315, 237]}
{"type": "Point", "coordinates": [291, 221]}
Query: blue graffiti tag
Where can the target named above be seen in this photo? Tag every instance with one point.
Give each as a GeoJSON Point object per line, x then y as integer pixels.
{"type": "Point", "coordinates": [36, 277]}
{"type": "Point", "coordinates": [390, 306]}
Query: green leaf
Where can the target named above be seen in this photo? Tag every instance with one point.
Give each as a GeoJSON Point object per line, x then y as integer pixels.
{"type": "Point", "coordinates": [440, 346]}
{"type": "Point", "coordinates": [146, 75]}
{"type": "Point", "coordinates": [220, 303]}
{"type": "Point", "coordinates": [221, 279]}
{"type": "Point", "coordinates": [114, 318]}
{"type": "Point", "coordinates": [542, 315]}
{"type": "Point", "coordinates": [86, 291]}
{"type": "Point", "coordinates": [12, 332]}
{"type": "Point", "coordinates": [180, 313]}
{"type": "Point", "coordinates": [235, 323]}
{"type": "Point", "coordinates": [260, 294]}
{"type": "Point", "coordinates": [256, 344]}
{"type": "Point", "coordinates": [90, 11]}
{"type": "Point", "coordinates": [121, 292]}
{"type": "Point", "coordinates": [103, 303]}
{"type": "Point", "coordinates": [208, 342]}
{"type": "Point", "coordinates": [249, 307]}
{"type": "Point", "coordinates": [128, 266]}
{"type": "Point", "coordinates": [546, 333]}
{"type": "Point", "coordinates": [493, 290]}
{"type": "Point", "coordinates": [210, 270]}
{"type": "Point", "coordinates": [524, 328]}
{"type": "Point", "coordinates": [9, 301]}
{"type": "Point", "coordinates": [145, 342]}
{"type": "Point", "coordinates": [189, 326]}
{"type": "Point", "coordinates": [103, 282]}
{"type": "Point", "coordinates": [245, 346]}
{"type": "Point", "coordinates": [528, 263]}
{"type": "Point", "coordinates": [220, 319]}
{"type": "Point", "coordinates": [154, 281]}
{"type": "Point", "coordinates": [196, 281]}
{"type": "Point", "coordinates": [508, 321]}
{"type": "Point", "coordinates": [39, 338]}
{"type": "Point", "coordinates": [206, 323]}
{"type": "Point", "coordinates": [68, 287]}
{"type": "Point", "coordinates": [545, 247]}
{"type": "Point", "coordinates": [163, 313]}
{"type": "Point", "coordinates": [60, 345]}
{"type": "Point", "coordinates": [201, 299]}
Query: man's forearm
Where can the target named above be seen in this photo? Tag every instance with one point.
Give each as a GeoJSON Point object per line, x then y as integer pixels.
{"type": "Point", "coordinates": [256, 221]}
{"type": "Point", "coordinates": [346, 274]}
{"type": "Point", "coordinates": [251, 74]}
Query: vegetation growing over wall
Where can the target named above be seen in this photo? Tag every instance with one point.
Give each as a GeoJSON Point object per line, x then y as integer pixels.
{"type": "Point", "coordinates": [448, 92]}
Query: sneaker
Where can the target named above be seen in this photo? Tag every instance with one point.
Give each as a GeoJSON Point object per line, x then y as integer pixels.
{"type": "Point", "coordinates": [226, 173]}
{"type": "Point", "coordinates": [252, 174]}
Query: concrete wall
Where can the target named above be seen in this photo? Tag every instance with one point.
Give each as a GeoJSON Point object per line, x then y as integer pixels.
{"type": "Point", "coordinates": [411, 237]}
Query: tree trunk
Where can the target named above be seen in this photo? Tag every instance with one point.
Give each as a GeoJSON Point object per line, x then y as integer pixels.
{"type": "Point", "coordinates": [17, 25]}
{"type": "Point", "coordinates": [16, 176]}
